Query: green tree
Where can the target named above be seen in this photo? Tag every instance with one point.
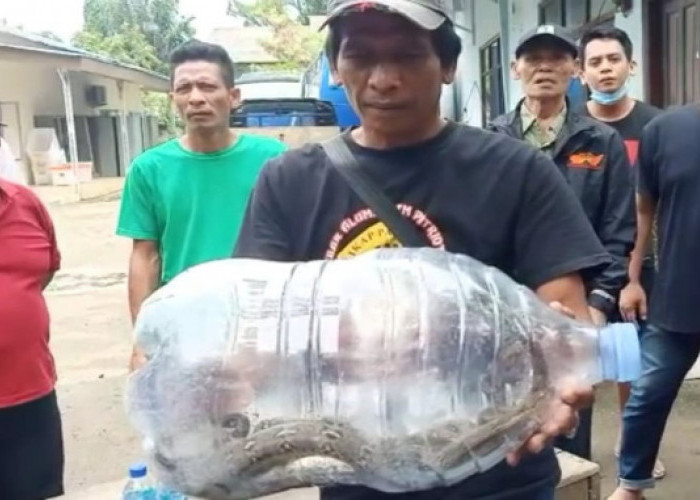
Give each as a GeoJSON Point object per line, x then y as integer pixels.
{"type": "Point", "coordinates": [128, 46]}
{"type": "Point", "coordinates": [138, 32]}
{"type": "Point", "coordinates": [293, 44]}
{"type": "Point", "coordinates": [254, 14]}
{"type": "Point", "coordinates": [158, 20]}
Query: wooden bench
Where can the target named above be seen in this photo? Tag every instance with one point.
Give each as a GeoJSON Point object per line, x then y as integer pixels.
{"type": "Point", "coordinates": [580, 481]}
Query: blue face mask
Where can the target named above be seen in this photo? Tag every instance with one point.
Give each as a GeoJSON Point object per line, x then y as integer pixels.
{"type": "Point", "coordinates": [609, 98]}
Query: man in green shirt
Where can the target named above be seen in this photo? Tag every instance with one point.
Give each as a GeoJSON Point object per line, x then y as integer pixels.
{"type": "Point", "coordinates": [184, 200]}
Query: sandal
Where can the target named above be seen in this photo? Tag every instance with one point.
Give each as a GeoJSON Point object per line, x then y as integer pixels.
{"type": "Point", "coordinates": [659, 471]}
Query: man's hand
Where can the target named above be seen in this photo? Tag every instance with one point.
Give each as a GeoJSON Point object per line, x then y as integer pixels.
{"type": "Point", "coordinates": [633, 302]}
{"type": "Point", "coordinates": [561, 418]}
{"type": "Point", "coordinates": [138, 359]}
{"type": "Point", "coordinates": [598, 317]}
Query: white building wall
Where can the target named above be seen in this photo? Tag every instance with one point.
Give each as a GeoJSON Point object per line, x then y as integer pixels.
{"type": "Point", "coordinates": [522, 16]}
{"type": "Point", "coordinates": [462, 100]}
{"type": "Point", "coordinates": [37, 91]}
{"type": "Point", "coordinates": [633, 24]}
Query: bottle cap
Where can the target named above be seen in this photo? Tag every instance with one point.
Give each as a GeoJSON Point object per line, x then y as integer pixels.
{"type": "Point", "coordinates": [137, 470]}
{"type": "Point", "coordinates": [620, 356]}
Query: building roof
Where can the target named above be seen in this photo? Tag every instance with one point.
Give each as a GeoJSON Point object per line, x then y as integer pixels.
{"type": "Point", "coordinates": [20, 46]}
{"type": "Point", "coordinates": [243, 44]}
{"type": "Point", "coordinates": [268, 76]}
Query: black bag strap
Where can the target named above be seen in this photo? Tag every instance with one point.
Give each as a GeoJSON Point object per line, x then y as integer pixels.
{"type": "Point", "coordinates": [347, 165]}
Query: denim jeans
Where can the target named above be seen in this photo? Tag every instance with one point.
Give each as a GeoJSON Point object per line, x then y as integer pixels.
{"type": "Point", "coordinates": [666, 359]}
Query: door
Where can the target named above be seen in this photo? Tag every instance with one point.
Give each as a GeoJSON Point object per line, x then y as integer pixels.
{"type": "Point", "coordinates": [680, 51]}
{"type": "Point", "coordinates": [12, 132]}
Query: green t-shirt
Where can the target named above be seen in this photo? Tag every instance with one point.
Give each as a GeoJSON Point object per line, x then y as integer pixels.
{"type": "Point", "coordinates": [192, 203]}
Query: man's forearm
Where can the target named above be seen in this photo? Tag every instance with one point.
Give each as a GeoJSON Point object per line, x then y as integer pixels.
{"type": "Point", "coordinates": [568, 291]}
{"type": "Point", "coordinates": [144, 277]}
{"type": "Point", "coordinates": [645, 221]}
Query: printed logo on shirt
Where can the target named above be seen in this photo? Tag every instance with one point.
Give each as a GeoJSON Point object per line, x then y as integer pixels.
{"type": "Point", "coordinates": [586, 160]}
{"type": "Point", "coordinates": [362, 232]}
{"type": "Point", "coordinates": [632, 146]}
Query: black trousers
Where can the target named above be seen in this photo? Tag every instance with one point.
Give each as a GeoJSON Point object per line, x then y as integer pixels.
{"type": "Point", "coordinates": [31, 450]}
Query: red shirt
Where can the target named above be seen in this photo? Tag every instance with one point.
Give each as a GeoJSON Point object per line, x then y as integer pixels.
{"type": "Point", "coordinates": [28, 255]}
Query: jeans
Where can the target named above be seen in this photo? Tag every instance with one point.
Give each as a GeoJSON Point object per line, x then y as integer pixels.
{"type": "Point", "coordinates": [666, 359]}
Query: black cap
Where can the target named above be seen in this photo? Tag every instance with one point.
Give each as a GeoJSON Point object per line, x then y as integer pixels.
{"type": "Point", "coordinates": [428, 14]}
{"type": "Point", "coordinates": [557, 34]}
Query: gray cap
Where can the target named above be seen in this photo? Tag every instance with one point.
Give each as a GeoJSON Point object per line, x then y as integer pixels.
{"type": "Point", "coordinates": [554, 32]}
{"type": "Point", "coordinates": [428, 14]}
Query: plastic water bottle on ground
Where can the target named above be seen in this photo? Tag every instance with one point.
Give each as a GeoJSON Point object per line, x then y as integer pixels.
{"type": "Point", "coordinates": [139, 486]}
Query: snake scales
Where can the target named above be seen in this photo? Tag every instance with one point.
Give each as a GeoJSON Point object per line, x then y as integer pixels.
{"type": "Point", "coordinates": [259, 456]}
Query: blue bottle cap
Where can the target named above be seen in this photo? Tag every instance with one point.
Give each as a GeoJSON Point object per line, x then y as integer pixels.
{"type": "Point", "coordinates": [137, 470]}
{"type": "Point", "coordinates": [620, 356]}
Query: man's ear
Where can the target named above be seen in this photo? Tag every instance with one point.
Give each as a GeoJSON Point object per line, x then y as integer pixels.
{"type": "Point", "coordinates": [633, 68]}
{"type": "Point", "coordinates": [234, 97]}
{"type": "Point", "coordinates": [577, 68]}
{"type": "Point", "coordinates": [336, 76]}
{"type": "Point", "coordinates": [514, 71]}
{"type": "Point", "coordinates": [448, 74]}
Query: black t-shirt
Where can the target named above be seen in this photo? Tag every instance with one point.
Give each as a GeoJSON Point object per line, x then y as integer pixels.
{"type": "Point", "coordinates": [669, 172]}
{"type": "Point", "coordinates": [631, 126]}
{"type": "Point", "coordinates": [471, 191]}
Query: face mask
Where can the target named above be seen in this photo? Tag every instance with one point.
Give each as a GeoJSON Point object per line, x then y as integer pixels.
{"type": "Point", "coordinates": [609, 98]}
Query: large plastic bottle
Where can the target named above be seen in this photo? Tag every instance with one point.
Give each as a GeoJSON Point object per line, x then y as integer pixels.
{"type": "Point", "coordinates": [400, 369]}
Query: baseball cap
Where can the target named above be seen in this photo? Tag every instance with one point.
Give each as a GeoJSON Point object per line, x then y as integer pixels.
{"type": "Point", "coordinates": [428, 14]}
{"type": "Point", "coordinates": [554, 32]}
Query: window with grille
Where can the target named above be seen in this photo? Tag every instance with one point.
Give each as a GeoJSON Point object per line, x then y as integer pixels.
{"type": "Point", "coordinates": [575, 14]}
{"type": "Point", "coordinates": [491, 68]}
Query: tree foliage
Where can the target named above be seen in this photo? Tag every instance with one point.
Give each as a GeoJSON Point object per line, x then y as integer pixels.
{"type": "Point", "coordinates": [254, 14]}
{"type": "Point", "coordinates": [292, 43]}
{"type": "Point", "coordinates": [138, 32]}
{"type": "Point", "coordinates": [128, 46]}
{"type": "Point", "coordinates": [158, 21]}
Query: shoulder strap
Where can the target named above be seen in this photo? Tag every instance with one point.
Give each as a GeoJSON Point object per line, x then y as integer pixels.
{"type": "Point", "coordinates": [347, 165]}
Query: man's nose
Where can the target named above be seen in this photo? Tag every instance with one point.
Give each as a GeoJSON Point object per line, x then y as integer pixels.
{"type": "Point", "coordinates": [546, 65]}
{"type": "Point", "coordinates": [605, 66]}
{"type": "Point", "coordinates": [196, 96]}
{"type": "Point", "coordinates": [384, 76]}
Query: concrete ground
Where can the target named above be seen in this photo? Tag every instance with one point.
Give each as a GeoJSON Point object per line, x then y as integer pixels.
{"type": "Point", "coordinates": [91, 341]}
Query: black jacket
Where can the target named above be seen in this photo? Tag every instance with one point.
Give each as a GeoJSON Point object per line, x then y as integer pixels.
{"type": "Point", "coordinates": [592, 157]}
